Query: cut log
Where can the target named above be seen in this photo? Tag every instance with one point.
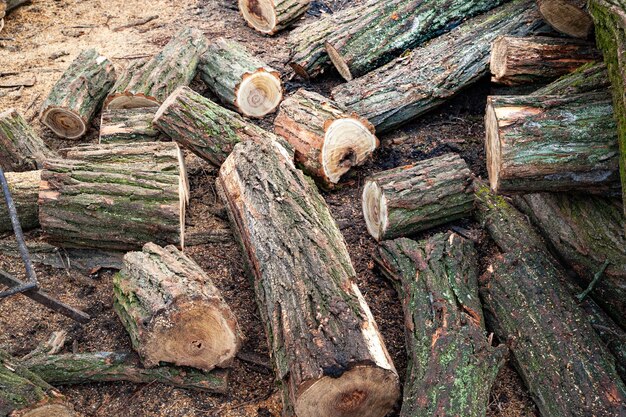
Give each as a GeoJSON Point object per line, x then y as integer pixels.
{"type": "Point", "coordinates": [272, 16]}
{"type": "Point", "coordinates": [173, 312]}
{"type": "Point", "coordinates": [552, 143]}
{"type": "Point", "coordinates": [128, 126]}
{"type": "Point", "coordinates": [240, 80]}
{"type": "Point", "coordinates": [567, 16]}
{"type": "Point", "coordinates": [205, 128]}
{"type": "Point", "coordinates": [328, 354]}
{"type": "Point", "coordinates": [21, 149]}
{"type": "Point", "coordinates": [417, 197]}
{"type": "Point", "coordinates": [327, 141]}
{"type": "Point", "coordinates": [610, 23]}
{"type": "Point", "coordinates": [586, 79]}
{"type": "Point", "coordinates": [452, 365]}
{"type": "Point", "coordinates": [409, 86]}
{"type": "Point", "coordinates": [24, 188]}
{"type": "Point", "coordinates": [149, 84]}
{"type": "Point", "coordinates": [111, 206]}
{"type": "Point", "coordinates": [76, 97]}
{"type": "Point", "coordinates": [537, 59]}
{"type": "Point", "coordinates": [563, 362]}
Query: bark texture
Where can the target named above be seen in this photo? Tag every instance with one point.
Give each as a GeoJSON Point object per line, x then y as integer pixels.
{"type": "Point", "coordinates": [128, 126]}
{"type": "Point", "coordinates": [272, 16]}
{"type": "Point", "coordinates": [21, 149]}
{"type": "Point", "coordinates": [567, 16]}
{"type": "Point", "coordinates": [328, 354]}
{"type": "Point", "coordinates": [452, 365]}
{"type": "Point", "coordinates": [24, 188]}
{"type": "Point", "coordinates": [586, 79]}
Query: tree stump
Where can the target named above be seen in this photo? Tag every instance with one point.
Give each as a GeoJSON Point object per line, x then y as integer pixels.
{"type": "Point", "coordinates": [128, 126]}
{"type": "Point", "coordinates": [272, 16]}
{"type": "Point", "coordinates": [24, 188]}
{"type": "Point", "coordinates": [21, 149]}
{"type": "Point", "coordinates": [567, 16]}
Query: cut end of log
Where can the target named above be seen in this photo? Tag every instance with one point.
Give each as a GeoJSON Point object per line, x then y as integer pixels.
{"type": "Point", "coordinates": [492, 147]}
{"type": "Point", "coordinates": [347, 143]}
{"type": "Point", "coordinates": [183, 184]}
{"type": "Point", "coordinates": [364, 391]}
{"type": "Point", "coordinates": [260, 14]}
{"type": "Point", "coordinates": [64, 123]}
{"type": "Point", "coordinates": [338, 62]}
{"type": "Point", "coordinates": [259, 93]}
{"type": "Point", "coordinates": [566, 18]}
{"type": "Point", "coordinates": [374, 210]}
{"type": "Point", "coordinates": [497, 64]}
{"type": "Point", "coordinates": [49, 410]}
{"type": "Point", "coordinates": [130, 101]}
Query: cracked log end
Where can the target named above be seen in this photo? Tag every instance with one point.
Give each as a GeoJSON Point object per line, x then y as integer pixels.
{"type": "Point", "coordinates": [338, 62]}
{"type": "Point", "coordinates": [259, 93]}
{"type": "Point", "coordinates": [64, 123]}
{"type": "Point", "coordinates": [374, 210]}
{"type": "Point", "coordinates": [347, 143]}
{"type": "Point", "coordinates": [260, 14]}
{"type": "Point", "coordinates": [492, 147]}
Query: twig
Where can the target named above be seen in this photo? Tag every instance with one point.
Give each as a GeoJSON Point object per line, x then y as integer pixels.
{"type": "Point", "coordinates": [136, 23]}
{"type": "Point", "coordinates": [593, 283]}
{"type": "Point", "coordinates": [132, 56]}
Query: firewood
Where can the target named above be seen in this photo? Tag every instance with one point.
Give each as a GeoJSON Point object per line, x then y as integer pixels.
{"type": "Point", "coordinates": [411, 85]}
{"type": "Point", "coordinates": [452, 363]}
{"type": "Point", "coordinates": [328, 353]}
{"type": "Point", "coordinates": [172, 310]}
{"type": "Point", "coordinates": [272, 16]}
{"type": "Point", "coordinates": [24, 188]}
{"type": "Point", "coordinates": [567, 16]}
{"type": "Point", "coordinates": [240, 80]}
{"type": "Point", "coordinates": [149, 83]}
{"type": "Point", "coordinates": [327, 141]}
{"type": "Point", "coordinates": [21, 149]}
{"type": "Point", "coordinates": [128, 126]}
{"type": "Point", "coordinates": [535, 59]}
{"type": "Point", "coordinates": [76, 97]}
{"type": "Point", "coordinates": [587, 78]}
{"type": "Point", "coordinates": [416, 197]}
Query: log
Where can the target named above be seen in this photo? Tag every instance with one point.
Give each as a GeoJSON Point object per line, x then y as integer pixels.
{"type": "Point", "coordinates": [128, 126]}
{"type": "Point", "coordinates": [205, 128]}
{"type": "Point", "coordinates": [329, 356]}
{"type": "Point", "coordinates": [586, 79]}
{"type": "Point", "coordinates": [537, 59]}
{"type": "Point", "coordinates": [552, 143]}
{"type": "Point", "coordinates": [110, 206]}
{"type": "Point", "coordinates": [148, 84]}
{"type": "Point", "coordinates": [411, 85]}
{"type": "Point", "coordinates": [610, 23]}
{"type": "Point", "coordinates": [173, 312]}
{"type": "Point", "coordinates": [21, 149]}
{"type": "Point", "coordinates": [76, 97]}
{"type": "Point", "coordinates": [408, 199]}
{"type": "Point", "coordinates": [24, 188]}
{"type": "Point", "coordinates": [564, 364]}
{"type": "Point", "coordinates": [271, 16]}
{"type": "Point", "coordinates": [567, 16]}
{"type": "Point", "coordinates": [452, 365]}
{"type": "Point", "coordinates": [239, 79]}
{"type": "Point", "coordinates": [327, 141]}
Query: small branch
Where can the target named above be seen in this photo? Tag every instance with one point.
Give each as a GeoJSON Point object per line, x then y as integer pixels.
{"type": "Point", "coordinates": [593, 283]}
{"type": "Point", "coordinates": [136, 23]}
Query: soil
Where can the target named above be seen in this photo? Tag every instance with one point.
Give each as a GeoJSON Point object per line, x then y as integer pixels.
{"type": "Point", "coordinates": [40, 40]}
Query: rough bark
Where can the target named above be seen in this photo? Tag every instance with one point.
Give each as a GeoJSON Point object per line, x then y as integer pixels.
{"type": "Point", "coordinates": [409, 86]}
{"type": "Point", "coordinates": [76, 97]}
{"type": "Point", "coordinates": [536, 59]}
{"type": "Point", "coordinates": [328, 354]}
{"type": "Point", "coordinates": [452, 365]}
{"type": "Point", "coordinates": [567, 16]}
{"type": "Point", "coordinates": [21, 149]}
{"type": "Point", "coordinates": [128, 126]}
{"type": "Point", "coordinates": [272, 16]}
{"type": "Point", "coordinates": [552, 143]}
{"type": "Point", "coordinates": [205, 128]}
{"type": "Point", "coordinates": [586, 79]}
{"type": "Point", "coordinates": [239, 79]}
{"type": "Point", "coordinates": [24, 188]}
{"type": "Point", "coordinates": [327, 141]}
{"type": "Point", "coordinates": [151, 83]}
{"type": "Point", "coordinates": [416, 197]}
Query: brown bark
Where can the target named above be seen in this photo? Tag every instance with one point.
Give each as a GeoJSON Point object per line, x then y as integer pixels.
{"type": "Point", "coordinates": [24, 188]}
{"type": "Point", "coordinates": [567, 16]}
{"type": "Point", "coordinates": [21, 149]}
{"type": "Point", "coordinates": [128, 126]}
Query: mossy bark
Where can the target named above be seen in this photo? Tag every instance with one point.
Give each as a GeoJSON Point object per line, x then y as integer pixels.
{"type": "Point", "coordinates": [586, 79]}
{"type": "Point", "coordinates": [24, 188]}
{"type": "Point", "coordinates": [452, 365]}
{"type": "Point", "coordinates": [21, 149]}
{"type": "Point", "coordinates": [128, 126]}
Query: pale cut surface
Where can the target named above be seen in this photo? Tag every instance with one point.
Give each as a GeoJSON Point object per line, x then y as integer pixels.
{"type": "Point", "coordinates": [50, 410]}
{"type": "Point", "coordinates": [492, 147]}
{"type": "Point", "coordinates": [374, 209]}
{"type": "Point", "coordinates": [260, 14]}
{"type": "Point", "coordinates": [566, 18]}
{"type": "Point", "coordinates": [498, 61]}
{"type": "Point", "coordinates": [338, 62]}
{"type": "Point", "coordinates": [347, 143]}
{"type": "Point", "coordinates": [259, 93]}
{"type": "Point", "coordinates": [127, 101]}
{"type": "Point", "coordinates": [64, 123]}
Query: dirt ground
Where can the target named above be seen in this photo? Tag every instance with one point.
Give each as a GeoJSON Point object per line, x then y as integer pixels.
{"type": "Point", "coordinates": [40, 40]}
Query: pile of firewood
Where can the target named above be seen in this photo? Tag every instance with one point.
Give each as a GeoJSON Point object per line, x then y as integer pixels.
{"type": "Point", "coordinates": [554, 294]}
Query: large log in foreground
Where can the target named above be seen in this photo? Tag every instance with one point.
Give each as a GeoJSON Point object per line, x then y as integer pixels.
{"type": "Point", "coordinates": [76, 97]}
{"type": "Point", "coordinates": [24, 188]}
{"type": "Point", "coordinates": [416, 197]}
{"type": "Point", "coordinates": [329, 356]}
{"type": "Point", "coordinates": [567, 16]}
{"type": "Point", "coordinates": [327, 141]}
{"type": "Point", "coordinates": [128, 126]}
{"type": "Point", "coordinates": [149, 84]}
{"type": "Point", "coordinates": [21, 149]}
{"type": "Point", "coordinates": [272, 16]}
{"type": "Point", "coordinates": [410, 86]}
{"type": "Point", "coordinates": [452, 365]}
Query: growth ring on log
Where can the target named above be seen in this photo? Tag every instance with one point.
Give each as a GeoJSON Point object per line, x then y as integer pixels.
{"type": "Point", "coordinates": [260, 14]}
{"type": "Point", "coordinates": [259, 93]}
{"type": "Point", "coordinates": [347, 143]}
{"type": "Point", "coordinates": [64, 123]}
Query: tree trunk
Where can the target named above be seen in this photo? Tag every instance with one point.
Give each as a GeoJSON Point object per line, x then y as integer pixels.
{"type": "Point", "coordinates": [417, 197]}
{"type": "Point", "coordinates": [552, 143]}
{"type": "Point", "coordinates": [329, 356]}
{"type": "Point", "coordinates": [452, 365]}
{"type": "Point", "coordinates": [205, 128]}
{"type": "Point", "coordinates": [563, 362]}
{"type": "Point", "coordinates": [537, 59]}
{"type": "Point", "coordinates": [24, 188]}
{"type": "Point", "coordinates": [328, 142]}
{"type": "Point", "coordinates": [151, 83]}
{"type": "Point", "coordinates": [128, 126]}
{"type": "Point", "coordinates": [410, 86]}
{"type": "Point", "coordinates": [110, 206]}
{"type": "Point", "coordinates": [610, 22]}
{"type": "Point", "coordinates": [76, 97]}
{"type": "Point", "coordinates": [240, 80]}
{"type": "Point", "coordinates": [272, 16]}
{"type": "Point", "coordinates": [567, 16]}
{"type": "Point", "coordinates": [586, 79]}
{"type": "Point", "coordinates": [21, 149]}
